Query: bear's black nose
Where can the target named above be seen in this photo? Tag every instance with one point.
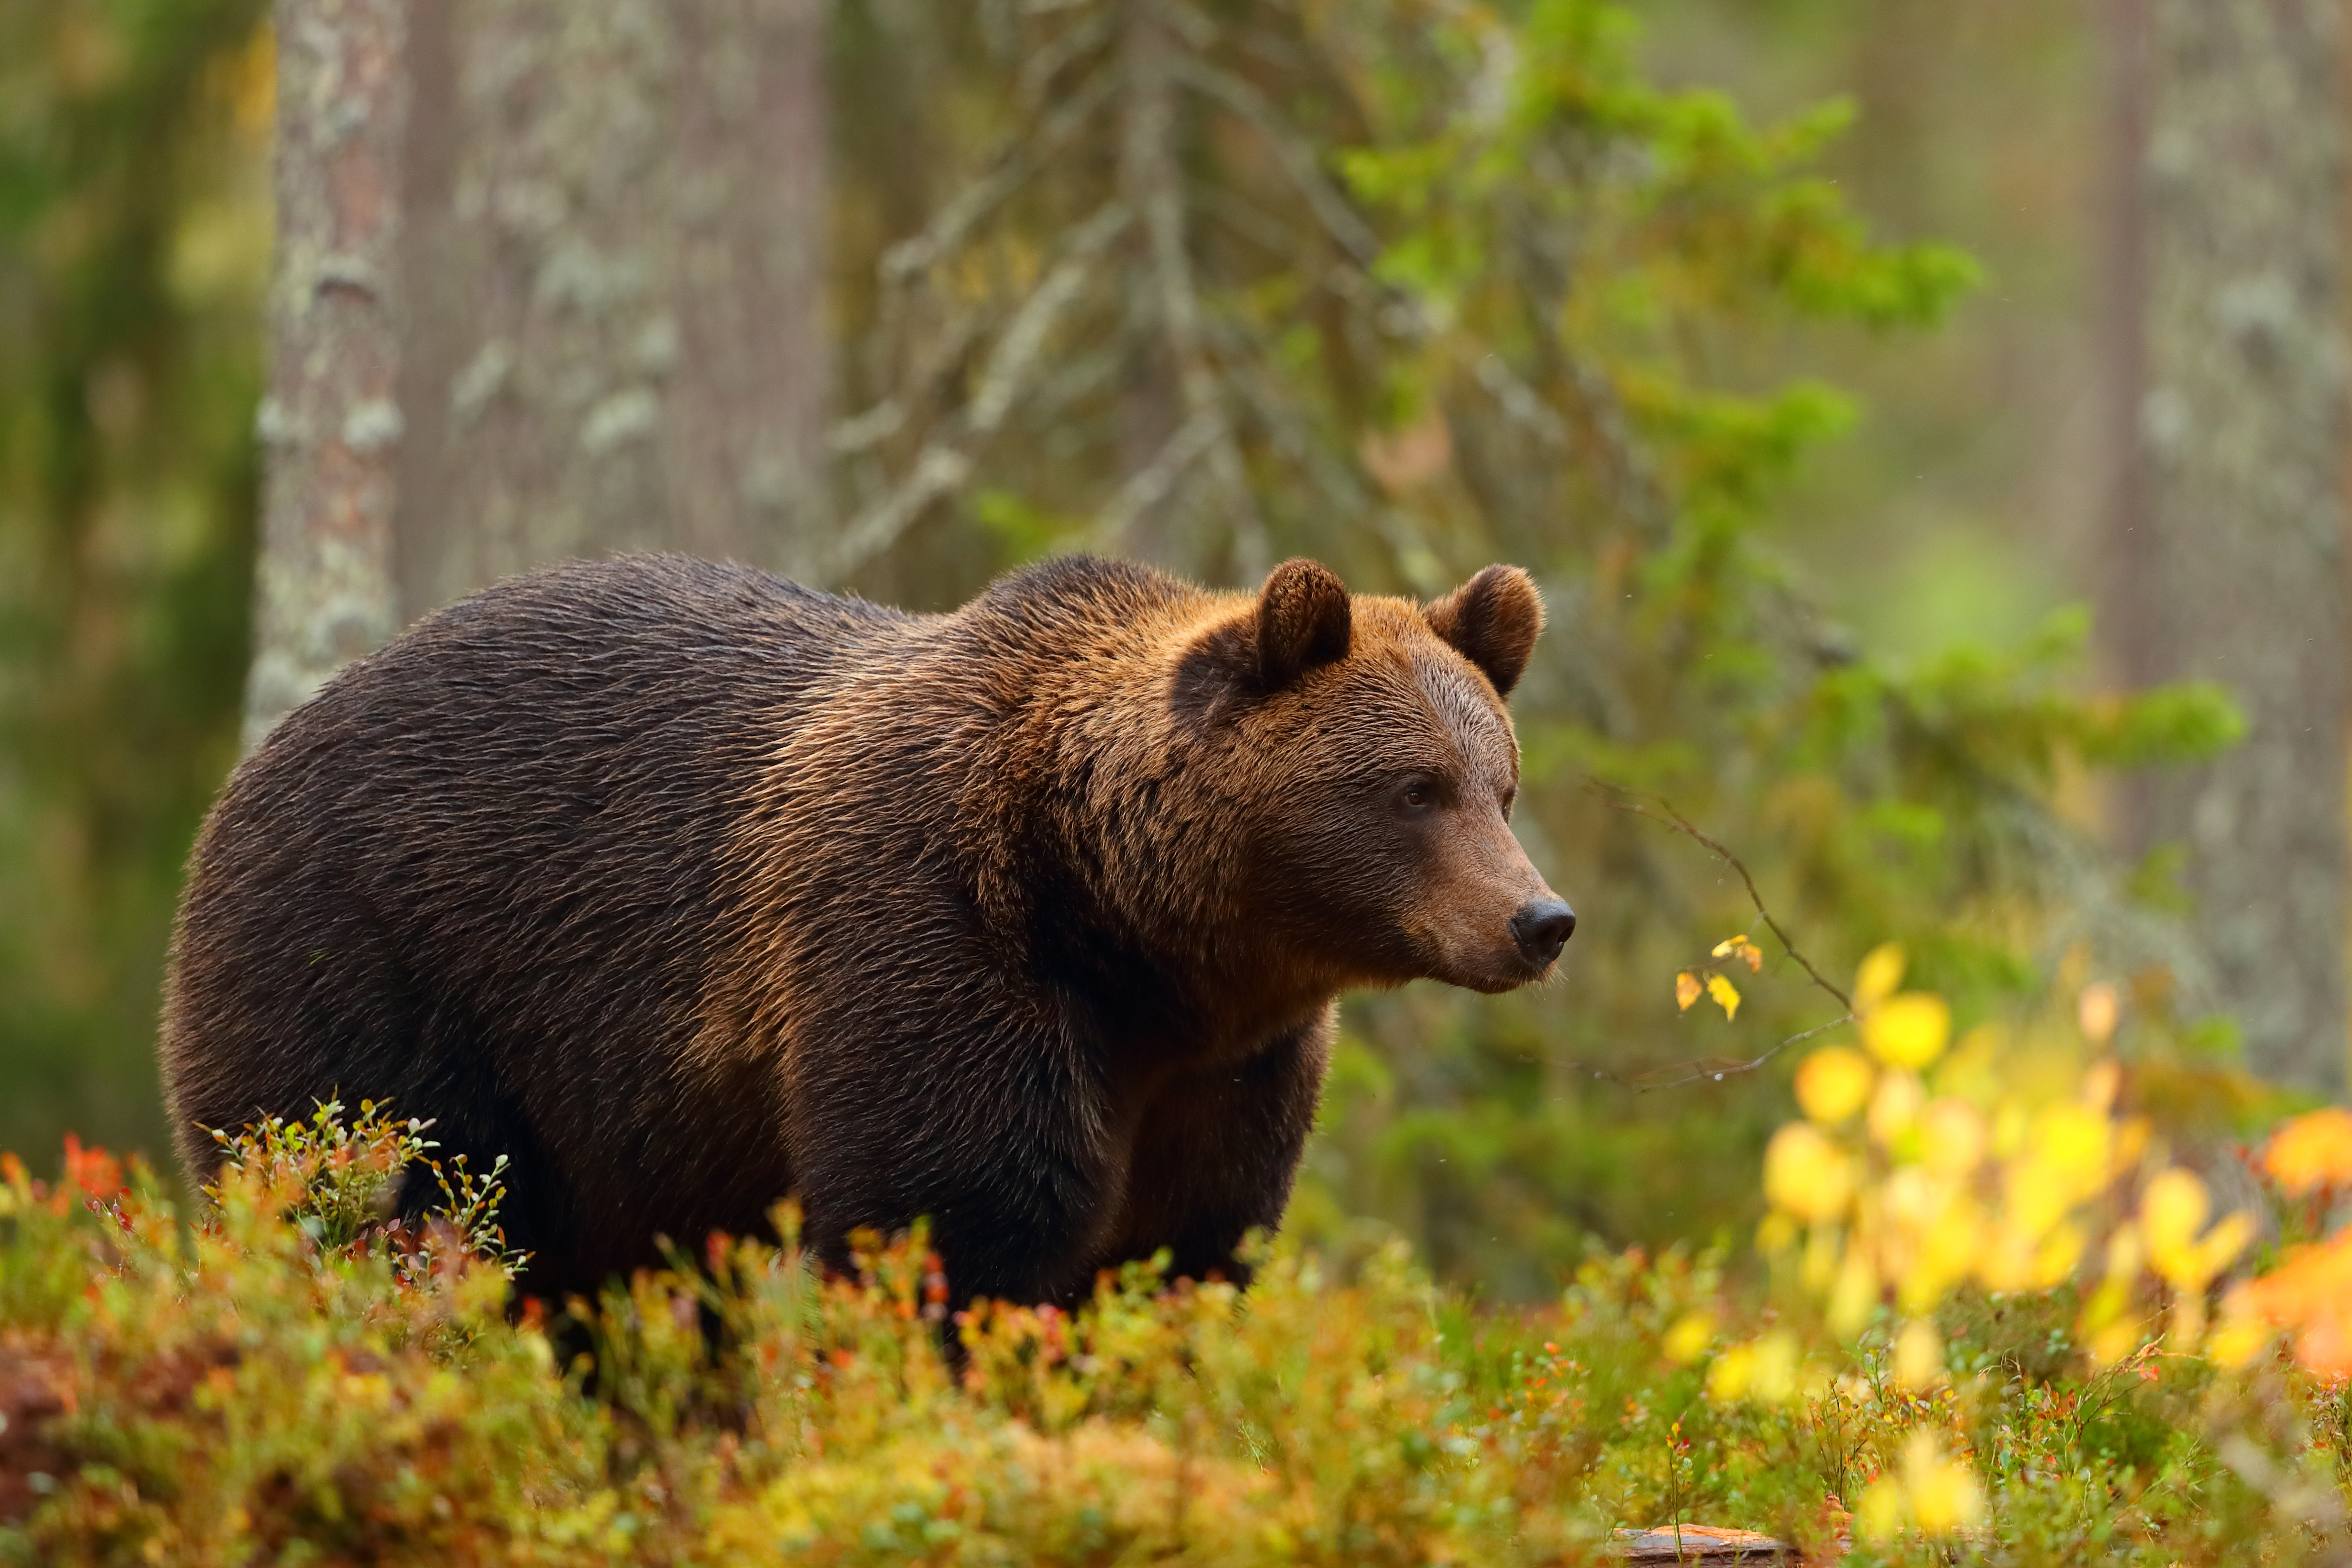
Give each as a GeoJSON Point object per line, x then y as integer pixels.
{"type": "Point", "coordinates": [1541, 928]}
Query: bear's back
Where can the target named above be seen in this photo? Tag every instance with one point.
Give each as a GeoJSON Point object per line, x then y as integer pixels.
{"type": "Point", "coordinates": [479, 872]}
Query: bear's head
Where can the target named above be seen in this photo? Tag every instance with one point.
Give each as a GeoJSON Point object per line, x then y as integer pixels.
{"type": "Point", "coordinates": [1374, 768]}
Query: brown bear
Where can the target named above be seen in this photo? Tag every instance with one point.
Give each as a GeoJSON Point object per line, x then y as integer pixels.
{"type": "Point", "coordinates": [689, 888]}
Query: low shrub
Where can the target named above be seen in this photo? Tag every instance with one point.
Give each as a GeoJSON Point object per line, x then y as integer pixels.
{"type": "Point", "coordinates": [1989, 1319]}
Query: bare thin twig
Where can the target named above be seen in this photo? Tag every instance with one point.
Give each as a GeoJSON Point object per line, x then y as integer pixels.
{"type": "Point", "coordinates": [1150, 484]}
{"type": "Point", "coordinates": [1298, 159]}
{"type": "Point", "coordinates": [945, 463]}
{"type": "Point", "coordinates": [1625, 800]}
{"type": "Point", "coordinates": [1710, 1069]}
{"type": "Point", "coordinates": [1013, 169]}
{"type": "Point", "coordinates": [1152, 179]}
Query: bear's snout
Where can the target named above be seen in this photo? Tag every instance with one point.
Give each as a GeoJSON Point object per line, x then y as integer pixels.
{"type": "Point", "coordinates": [1541, 928]}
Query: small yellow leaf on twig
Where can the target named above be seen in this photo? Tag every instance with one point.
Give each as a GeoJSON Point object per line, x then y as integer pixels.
{"type": "Point", "coordinates": [1740, 947]}
{"type": "Point", "coordinates": [1686, 989]}
{"type": "Point", "coordinates": [1726, 995]}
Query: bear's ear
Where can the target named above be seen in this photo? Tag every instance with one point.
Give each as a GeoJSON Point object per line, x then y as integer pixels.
{"type": "Point", "coordinates": [1492, 620]}
{"type": "Point", "coordinates": [1302, 620]}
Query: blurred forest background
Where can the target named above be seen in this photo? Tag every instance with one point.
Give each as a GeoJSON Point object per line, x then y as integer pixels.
{"type": "Point", "coordinates": [1779, 337]}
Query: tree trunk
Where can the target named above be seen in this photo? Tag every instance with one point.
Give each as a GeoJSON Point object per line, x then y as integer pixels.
{"type": "Point", "coordinates": [617, 266]}
{"type": "Point", "coordinates": [330, 420]}
{"type": "Point", "coordinates": [592, 315]}
{"type": "Point", "coordinates": [2230, 524]}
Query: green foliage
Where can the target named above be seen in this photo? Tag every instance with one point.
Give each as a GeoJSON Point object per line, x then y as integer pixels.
{"type": "Point", "coordinates": [134, 238]}
{"type": "Point", "coordinates": [251, 1391]}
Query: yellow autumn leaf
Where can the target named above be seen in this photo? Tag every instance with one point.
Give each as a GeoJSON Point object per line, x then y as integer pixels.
{"type": "Point", "coordinates": [1686, 989]}
{"type": "Point", "coordinates": [1919, 1357]}
{"type": "Point", "coordinates": [2114, 1341]}
{"type": "Point", "coordinates": [1686, 1340]}
{"type": "Point", "coordinates": [1907, 1031]}
{"type": "Point", "coordinates": [1943, 1493]}
{"type": "Point", "coordinates": [1947, 1254]}
{"type": "Point", "coordinates": [1763, 1369]}
{"type": "Point", "coordinates": [1879, 1515]}
{"type": "Point", "coordinates": [2096, 1011]}
{"type": "Point", "coordinates": [1880, 973]}
{"type": "Point", "coordinates": [2172, 1212]}
{"type": "Point", "coordinates": [2068, 1153]}
{"type": "Point", "coordinates": [2309, 1293]}
{"type": "Point", "coordinates": [1740, 947]}
{"type": "Point", "coordinates": [1806, 1173]}
{"type": "Point", "coordinates": [1895, 1109]}
{"type": "Point", "coordinates": [2311, 1151]}
{"type": "Point", "coordinates": [2242, 1333]}
{"type": "Point", "coordinates": [1853, 1295]}
{"type": "Point", "coordinates": [1951, 1137]}
{"type": "Point", "coordinates": [1726, 995]}
{"type": "Point", "coordinates": [1833, 1083]}
{"type": "Point", "coordinates": [1929, 1492]}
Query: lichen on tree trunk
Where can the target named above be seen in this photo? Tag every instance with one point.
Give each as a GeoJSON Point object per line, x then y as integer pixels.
{"type": "Point", "coordinates": [550, 282]}
{"type": "Point", "coordinates": [330, 420]}
{"type": "Point", "coordinates": [618, 265]}
{"type": "Point", "coordinates": [2228, 535]}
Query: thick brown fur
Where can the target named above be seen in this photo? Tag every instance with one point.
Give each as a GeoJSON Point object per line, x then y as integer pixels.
{"type": "Point", "coordinates": [688, 888]}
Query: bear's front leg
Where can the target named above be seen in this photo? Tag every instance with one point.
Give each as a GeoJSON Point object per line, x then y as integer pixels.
{"type": "Point", "coordinates": [999, 1139]}
{"type": "Point", "coordinates": [1215, 1154]}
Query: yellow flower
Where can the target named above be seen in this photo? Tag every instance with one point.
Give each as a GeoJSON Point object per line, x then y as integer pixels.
{"type": "Point", "coordinates": [1833, 1083]}
{"type": "Point", "coordinates": [1806, 1173]}
{"type": "Point", "coordinates": [1907, 1031]}
{"type": "Point", "coordinates": [2311, 1151]}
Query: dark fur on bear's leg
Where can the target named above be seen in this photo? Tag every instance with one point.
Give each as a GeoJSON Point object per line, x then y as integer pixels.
{"type": "Point", "coordinates": [688, 888]}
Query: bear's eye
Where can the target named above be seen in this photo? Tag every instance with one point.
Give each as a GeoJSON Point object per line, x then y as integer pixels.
{"type": "Point", "coordinates": [1415, 796]}
{"type": "Point", "coordinates": [1510, 797]}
